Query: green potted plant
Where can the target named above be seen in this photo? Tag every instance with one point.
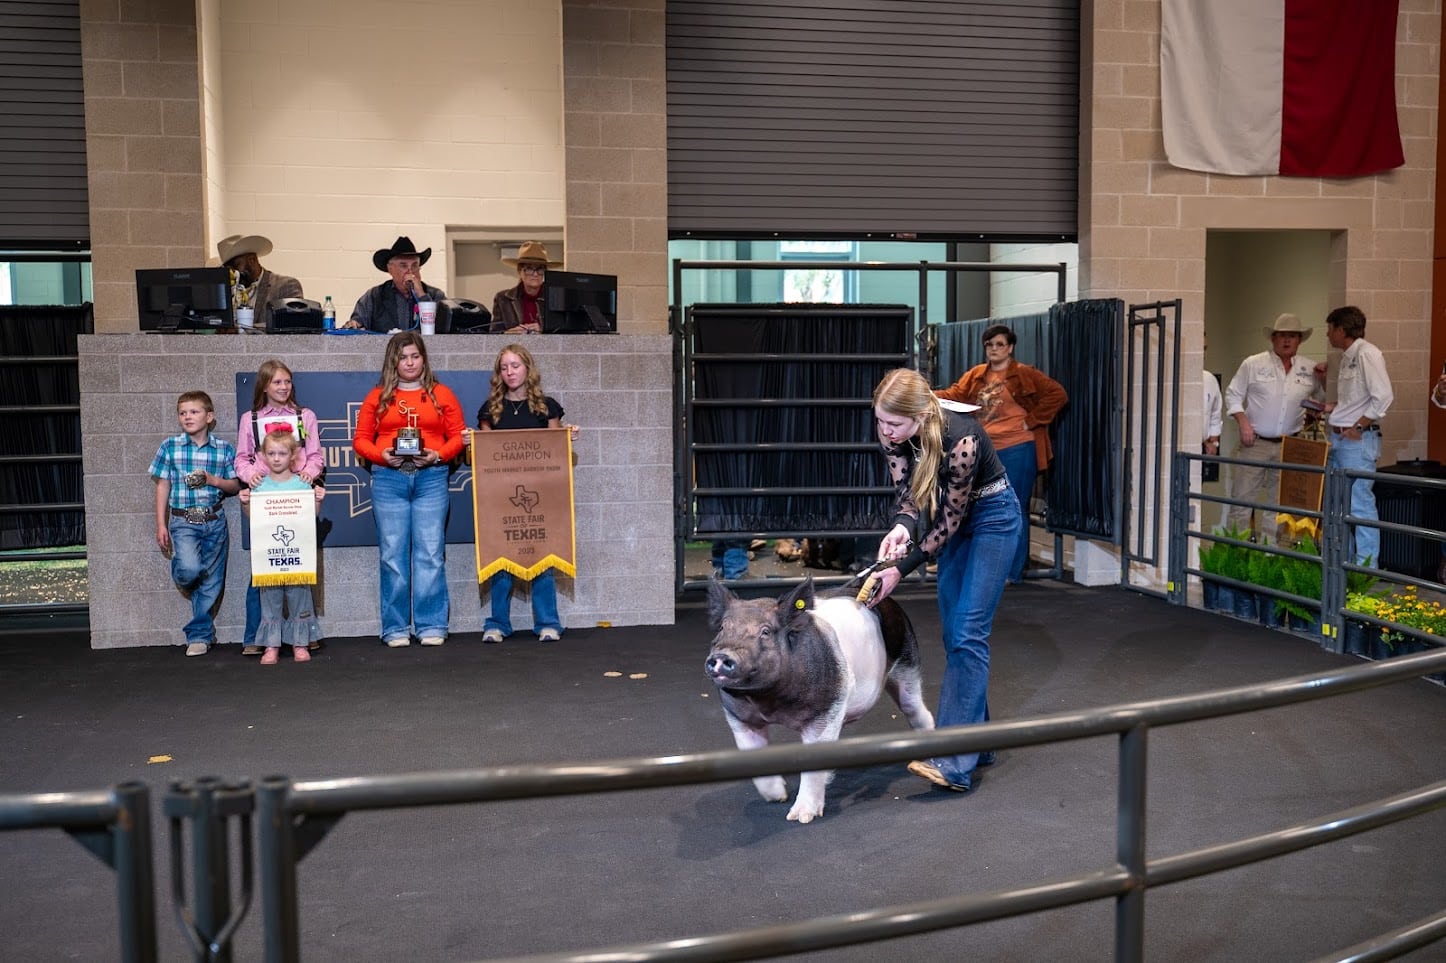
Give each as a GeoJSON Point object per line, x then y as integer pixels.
{"type": "Point", "coordinates": [1301, 577]}
{"type": "Point", "coordinates": [1227, 561]}
{"type": "Point", "coordinates": [1266, 570]}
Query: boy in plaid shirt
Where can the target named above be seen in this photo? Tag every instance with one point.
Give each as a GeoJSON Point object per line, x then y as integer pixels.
{"type": "Point", "coordinates": [194, 471]}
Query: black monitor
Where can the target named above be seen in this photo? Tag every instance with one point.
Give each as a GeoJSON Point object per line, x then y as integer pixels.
{"type": "Point", "coordinates": [184, 299]}
{"type": "Point", "coordinates": [581, 303]}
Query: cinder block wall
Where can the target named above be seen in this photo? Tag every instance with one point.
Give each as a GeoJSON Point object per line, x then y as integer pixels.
{"type": "Point", "coordinates": [618, 388]}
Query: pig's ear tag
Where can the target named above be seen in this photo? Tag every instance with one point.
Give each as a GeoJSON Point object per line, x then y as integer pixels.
{"type": "Point", "coordinates": [799, 604]}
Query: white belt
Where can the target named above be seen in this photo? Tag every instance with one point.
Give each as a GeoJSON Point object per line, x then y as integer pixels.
{"type": "Point", "coordinates": [993, 488]}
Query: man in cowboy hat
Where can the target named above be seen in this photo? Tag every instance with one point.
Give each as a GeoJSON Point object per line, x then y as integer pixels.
{"type": "Point", "coordinates": [388, 306]}
{"type": "Point", "coordinates": [521, 309]}
{"type": "Point", "coordinates": [1264, 399]}
{"type": "Point", "coordinates": [253, 284]}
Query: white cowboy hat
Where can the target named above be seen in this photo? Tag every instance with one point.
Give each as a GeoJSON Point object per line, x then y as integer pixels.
{"type": "Point", "coordinates": [238, 244]}
{"type": "Point", "coordinates": [1288, 324]}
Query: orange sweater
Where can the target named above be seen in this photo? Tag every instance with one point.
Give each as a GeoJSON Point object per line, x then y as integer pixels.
{"type": "Point", "coordinates": [442, 430]}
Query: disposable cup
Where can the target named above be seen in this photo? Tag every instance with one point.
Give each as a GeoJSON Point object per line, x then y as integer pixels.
{"type": "Point", "coordinates": [427, 311]}
{"type": "Point", "coordinates": [245, 317]}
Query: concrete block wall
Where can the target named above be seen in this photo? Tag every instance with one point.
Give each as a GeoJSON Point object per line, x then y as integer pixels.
{"type": "Point", "coordinates": [619, 389]}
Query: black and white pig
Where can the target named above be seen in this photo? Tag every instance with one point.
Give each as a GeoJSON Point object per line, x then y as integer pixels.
{"type": "Point", "coordinates": [810, 664]}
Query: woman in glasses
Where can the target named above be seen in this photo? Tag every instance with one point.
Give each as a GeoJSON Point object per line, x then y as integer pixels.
{"type": "Point", "coordinates": [1017, 404]}
{"type": "Point", "coordinates": [520, 309]}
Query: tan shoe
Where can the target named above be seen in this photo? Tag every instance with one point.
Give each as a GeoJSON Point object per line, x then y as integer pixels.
{"type": "Point", "coordinates": [927, 770]}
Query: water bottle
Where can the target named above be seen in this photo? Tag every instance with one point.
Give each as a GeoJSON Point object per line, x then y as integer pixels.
{"type": "Point", "coordinates": [328, 315]}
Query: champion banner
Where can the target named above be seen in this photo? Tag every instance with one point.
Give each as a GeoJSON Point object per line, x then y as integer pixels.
{"type": "Point", "coordinates": [1305, 88]}
{"type": "Point", "coordinates": [522, 491]}
{"type": "Point", "coordinates": [283, 538]}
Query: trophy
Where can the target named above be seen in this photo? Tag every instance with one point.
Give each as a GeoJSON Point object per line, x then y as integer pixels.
{"type": "Point", "coordinates": [408, 443]}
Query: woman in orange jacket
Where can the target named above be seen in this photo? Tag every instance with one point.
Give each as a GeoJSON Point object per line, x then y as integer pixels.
{"type": "Point", "coordinates": [1017, 404]}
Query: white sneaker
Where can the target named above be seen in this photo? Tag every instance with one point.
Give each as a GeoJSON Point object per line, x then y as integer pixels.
{"type": "Point", "coordinates": [400, 643]}
{"type": "Point", "coordinates": [433, 639]}
{"type": "Point", "coordinates": [492, 635]}
{"type": "Point", "coordinates": [548, 635]}
{"type": "Point", "coordinates": [198, 648]}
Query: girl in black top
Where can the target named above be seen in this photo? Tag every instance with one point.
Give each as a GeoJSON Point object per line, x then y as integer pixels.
{"type": "Point", "coordinates": [953, 503]}
{"type": "Point", "coordinates": [516, 401]}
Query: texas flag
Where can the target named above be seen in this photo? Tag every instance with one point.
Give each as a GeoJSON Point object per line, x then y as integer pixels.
{"type": "Point", "coordinates": [1298, 87]}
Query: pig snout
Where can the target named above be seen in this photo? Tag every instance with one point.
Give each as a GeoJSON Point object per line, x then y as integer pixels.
{"type": "Point", "coordinates": [721, 666]}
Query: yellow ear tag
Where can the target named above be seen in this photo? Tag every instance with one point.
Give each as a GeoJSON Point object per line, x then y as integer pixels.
{"type": "Point", "coordinates": [798, 603]}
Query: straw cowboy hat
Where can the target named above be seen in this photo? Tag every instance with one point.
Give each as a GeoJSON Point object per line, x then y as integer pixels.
{"type": "Point", "coordinates": [401, 247]}
{"type": "Point", "coordinates": [239, 244]}
{"type": "Point", "coordinates": [531, 252]}
{"type": "Point", "coordinates": [1288, 324]}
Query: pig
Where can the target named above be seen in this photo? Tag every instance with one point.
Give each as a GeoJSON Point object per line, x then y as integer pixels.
{"type": "Point", "coordinates": [810, 664]}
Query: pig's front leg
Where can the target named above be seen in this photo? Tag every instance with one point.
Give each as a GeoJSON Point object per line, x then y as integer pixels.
{"type": "Point", "coordinates": [770, 788]}
{"type": "Point", "coordinates": [808, 806]}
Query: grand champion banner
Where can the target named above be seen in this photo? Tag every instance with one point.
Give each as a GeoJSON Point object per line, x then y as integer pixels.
{"type": "Point", "coordinates": [283, 538]}
{"type": "Point", "coordinates": [522, 502]}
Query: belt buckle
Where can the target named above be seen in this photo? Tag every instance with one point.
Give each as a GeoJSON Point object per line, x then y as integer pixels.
{"type": "Point", "coordinates": [407, 467]}
{"type": "Point", "coordinates": [197, 516]}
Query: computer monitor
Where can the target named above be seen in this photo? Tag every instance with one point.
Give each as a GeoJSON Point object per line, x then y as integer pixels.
{"type": "Point", "coordinates": [184, 299]}
{"type": "Point", "coordinates": [581, 303]}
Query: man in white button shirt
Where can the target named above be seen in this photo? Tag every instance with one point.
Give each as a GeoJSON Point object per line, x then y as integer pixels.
{"type": "Point", "coordinates": [1264, 399]}
{"type": "Point", "coordinates": [1363, 395]}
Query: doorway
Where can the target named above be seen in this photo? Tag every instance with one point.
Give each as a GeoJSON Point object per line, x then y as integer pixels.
{"type": "Point", "coordinates": [1250, 278]}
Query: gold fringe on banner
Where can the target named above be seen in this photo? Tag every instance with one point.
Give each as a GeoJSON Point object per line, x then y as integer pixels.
{"type": "Point", "coordinates": [284, 578]}
{"type": "Point", "coordinates": [526, 572]}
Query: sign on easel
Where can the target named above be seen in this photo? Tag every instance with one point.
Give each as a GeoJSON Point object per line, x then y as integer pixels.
{"type": "Point", "coordinates": [1301, 489]}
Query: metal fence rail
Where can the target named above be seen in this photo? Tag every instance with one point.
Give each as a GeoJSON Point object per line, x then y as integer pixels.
{"type": "Point", "coordinates": [114, 825]}
{"type": "Point", "coordinates": [294, 817]}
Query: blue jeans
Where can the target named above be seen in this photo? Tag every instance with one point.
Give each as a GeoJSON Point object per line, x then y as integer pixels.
{"type": "Point", "coordinates": [198, 566]}
{"type": "Point", "coordinates": [411, 516]}
{"type": "Point", "coordinates": [1361, 456]}
{"type": "Point", "coordinates": [730, 558]}
{"type": "Point", "coordinates": [253, 614]}
{"type": "Point", "coordinates": [1021, 465]}
{"type": "Point", "coordinates": [544, 603]}
{"type": "Point", "coordinates": [972, 568]}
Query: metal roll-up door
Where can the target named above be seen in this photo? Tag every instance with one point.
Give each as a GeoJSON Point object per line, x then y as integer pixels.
{"type": "Point", "coordinates": [44, 201]}
{"type": "Point", "coordinates": [943, 119]}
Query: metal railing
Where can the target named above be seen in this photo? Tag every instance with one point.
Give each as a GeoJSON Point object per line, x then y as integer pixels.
{"type": "Point", "coordinates": [293, 817]}
{"type": "Point", "coordinates": [1336, 525]}
{"type": "Point", "coordinates": [115, 825]}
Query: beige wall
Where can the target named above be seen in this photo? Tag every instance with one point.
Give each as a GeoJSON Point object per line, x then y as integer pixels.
{"type": "Point", "coordinates": [346, 124]}
{"type": "Point", "coordinates": [1143, 223]}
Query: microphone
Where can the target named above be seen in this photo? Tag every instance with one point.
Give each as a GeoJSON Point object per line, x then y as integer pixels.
{"type": "Point", "coordinates": [416, 304]}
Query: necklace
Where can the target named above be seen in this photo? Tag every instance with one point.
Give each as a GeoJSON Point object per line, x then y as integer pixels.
{"type": "Point", "coordinates": [516, 406]}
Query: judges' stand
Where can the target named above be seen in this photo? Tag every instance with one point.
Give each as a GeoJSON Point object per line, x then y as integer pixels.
{"type": "Point", "coordinates": [617, 388]}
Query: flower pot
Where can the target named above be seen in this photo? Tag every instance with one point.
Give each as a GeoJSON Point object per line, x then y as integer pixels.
{"type": "Point", "coordinates": [1356, 637]}
{"type": "Point", "coordinates": [1309, 627]}
{"type": "Point", "coordinates": [1225, 599]}
{"type": "Point", "coordinates": [1270, 616]}
{"type": "Point", "coordinates": [1210, 595]}
{"type": "Point", "coordinates": [1247, 605]}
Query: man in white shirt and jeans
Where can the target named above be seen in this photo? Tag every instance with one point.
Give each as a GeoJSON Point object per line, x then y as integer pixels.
{"type": "Point", "coordinates": [1363, 395]}
{"type": "Point", "coordinates": [1264, 399]}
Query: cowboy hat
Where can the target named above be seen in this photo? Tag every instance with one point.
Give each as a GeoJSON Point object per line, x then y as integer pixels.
{"type": "Point", "coordinates": [531, 252]}
{"type": "Point", "coordinates": [401, 247]}
{"type": "Point", "coordinates": [1288, 324]}
{"type": "Point", "coordinates": [239, 244]}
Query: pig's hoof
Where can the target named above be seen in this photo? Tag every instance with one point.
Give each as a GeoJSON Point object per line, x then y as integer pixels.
{"type": "Point", "coordinates": [801, 815]}
{"type": "Point", "coordinates": [772, 789]}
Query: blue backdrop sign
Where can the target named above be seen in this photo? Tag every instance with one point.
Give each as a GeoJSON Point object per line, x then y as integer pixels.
{"type": "Point", "coordinates": [346, 512]}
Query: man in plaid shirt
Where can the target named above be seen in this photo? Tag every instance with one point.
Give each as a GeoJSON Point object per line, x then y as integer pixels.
{"type": "Point", "coordinates": [194, 471]}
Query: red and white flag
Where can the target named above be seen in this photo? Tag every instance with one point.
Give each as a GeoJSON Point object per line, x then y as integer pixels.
{"type": "Point", "coordinates": [1298, 87]}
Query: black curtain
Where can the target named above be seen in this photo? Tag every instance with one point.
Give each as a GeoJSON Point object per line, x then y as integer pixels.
{"type": "Point", "coordinates": [961, 345]}
{"type": "Point", "coordinates": [40, 368]}
{"type": "Point", "coordinates": [770, 384]}
{"type": "Point", "coordinates": [1081, 489]}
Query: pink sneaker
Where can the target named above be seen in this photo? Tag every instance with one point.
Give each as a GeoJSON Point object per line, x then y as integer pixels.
{"type": "Point", "coordinates": [299, 653]}
{"type": "Point", "coordinates": [271, 656]}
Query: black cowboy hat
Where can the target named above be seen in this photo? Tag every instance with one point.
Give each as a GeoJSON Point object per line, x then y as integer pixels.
{"type": "Point", "coordinates": [402, 246]}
